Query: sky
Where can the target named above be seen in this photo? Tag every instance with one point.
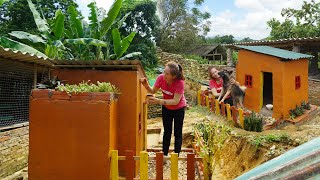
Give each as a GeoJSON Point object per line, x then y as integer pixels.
{"type": "Point", "coordinates": [240, 18]}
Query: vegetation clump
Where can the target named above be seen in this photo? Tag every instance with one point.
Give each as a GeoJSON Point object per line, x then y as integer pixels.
{"type": "Point", "coordinates": [86, 87]}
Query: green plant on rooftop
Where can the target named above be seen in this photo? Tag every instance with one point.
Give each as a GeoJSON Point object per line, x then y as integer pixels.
{"type": "Point", "coordinates": [88, 87]}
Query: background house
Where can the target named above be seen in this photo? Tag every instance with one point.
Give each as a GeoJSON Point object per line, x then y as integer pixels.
{"type": "Point", "coordinates": [273, 76]}
{"type": "Point", "coordinates": [211, 52]}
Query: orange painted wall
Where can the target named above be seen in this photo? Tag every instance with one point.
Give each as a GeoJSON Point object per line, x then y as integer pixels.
{"type": "Point", "coordinates": [292, 96]}
{"type": "Point", "coordinates": [130, 102]}
{"type": "Point", "coordinates": [251, 63]}
{"type": "Point", "coordinates": [66, 144]}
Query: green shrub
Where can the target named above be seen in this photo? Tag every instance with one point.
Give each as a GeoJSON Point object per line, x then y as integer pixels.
{"type": "Point", "coordinates": [253, 123]}
{"type": "Point", "coordinates": [86, 87]}
{"type": "Point", "coordinates": [306, 105]}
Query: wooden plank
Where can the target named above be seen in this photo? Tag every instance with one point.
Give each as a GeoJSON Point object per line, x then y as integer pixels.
{"type": "Point", "coordinates": [241, 119]}
{"type": "Point", "coordinates": [199, 98]}
{"type": "Point", "coordinates": [159, 165]}
{"type": "Point", "coordinates": [207, 102]}
{"type": "Point", "coordinates": [130, 165]}
{"type": "Point", "coordinates": [228, 112]}
{"type": "Point", "coordinates": [190, 166]}
{"type": "Point", "coordinates": [212, 103]}
{"type": "Point", "coordinates": [114, 165]}
{"type": "Point", "coordinates": [234, 114]}
{"type": "Point", "coordinates": [174, 166]}
{"type": "Point", "coordinates": [223, 109]}
{"type": "Point", "coordinates": [144, 165]}
{"type": "Point", "coordinates": [217, 105]}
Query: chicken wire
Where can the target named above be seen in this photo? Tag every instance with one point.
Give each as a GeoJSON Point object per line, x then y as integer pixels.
{"type": "Point", "coordinates": [16, 83]}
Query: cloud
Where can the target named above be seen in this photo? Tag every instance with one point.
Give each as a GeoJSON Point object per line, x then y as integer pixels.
{"type": "Point", "coordinates": [250, 18]}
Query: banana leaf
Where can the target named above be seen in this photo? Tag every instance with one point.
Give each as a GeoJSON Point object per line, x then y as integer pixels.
{"type": "Point", "coordinates": [58, 24]}
{"type": "Point", "coordinates": [42, 24]}
{"type": "Point", "coordinates": [75, 23]}
{"type": "Point", "coordinates": [30, 37]}
{"type": "Point", "coordinates": [87, 41]}
{"type": "Point", "coordinates": [17, 46]}
{"type": "Point", "coordinates": [2, 1]}
{"type": "Point", "coordinates": [112, 15]}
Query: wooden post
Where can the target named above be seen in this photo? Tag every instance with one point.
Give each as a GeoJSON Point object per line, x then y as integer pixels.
{"type": "Point", "coordinates": [144, 126]}
{"type": "Point", "coordinates": [234, 114]}
{"type": "Point", "coordinates": [207, 102]}
{"type": "Point", "coordinates": [159, 166]}
{"type": "Point", "coordinates": [190, 166]}
{"type": "Point", "coordinates": [241, 120]}
{"type": "Point", "coordinates": [217, 107]}
{"type": "Point", "coordinates": [212, 103]}
{"type": "Point", "coordinates": [114, 165]}
{"type": "Point", "coordinates": [223, 109]}
{"type": "Point", "coordinates": [228, 112]}
{"type": "Point", "coordinates": [199, 97]}
{"type": "Point", "coordinates": [130, 165]}
{"type": "Point", "coordinates": [144, 165]}
{"type": "Point", "coordinates": [174, 166]}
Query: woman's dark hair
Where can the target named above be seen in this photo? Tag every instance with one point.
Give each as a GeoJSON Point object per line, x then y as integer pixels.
{"type": "Point", "coordinates": [176, 70]}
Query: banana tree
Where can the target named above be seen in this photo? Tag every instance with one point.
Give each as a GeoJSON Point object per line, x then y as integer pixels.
{"type": "Point", "coordinates": [47, 43]}
{"type": "Point", "coordinates": [99, 34]}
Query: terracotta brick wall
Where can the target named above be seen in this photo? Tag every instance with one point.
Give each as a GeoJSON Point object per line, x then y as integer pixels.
{"type": "Point", "coordinates": [14, 149]}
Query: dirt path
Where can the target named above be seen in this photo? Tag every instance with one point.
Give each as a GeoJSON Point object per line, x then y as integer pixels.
{"type": "Point", "coordinates": [246, 150]}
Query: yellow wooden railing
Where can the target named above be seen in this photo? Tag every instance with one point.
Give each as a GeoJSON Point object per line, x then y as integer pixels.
{"type": "Point", "coordinates": [144, 158]}
{"type": "Point", "coordinates": [230, 112]}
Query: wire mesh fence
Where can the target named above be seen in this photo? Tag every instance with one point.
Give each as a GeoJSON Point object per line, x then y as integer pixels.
{"type": "Point", "coordinates": [16, 82]}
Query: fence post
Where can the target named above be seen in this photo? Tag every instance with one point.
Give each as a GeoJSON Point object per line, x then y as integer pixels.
{"type": "Point", "coordinates": [130, 165]}
{"type": "Point", "coordinates": [234, 114]}
{"type": "Point", "coordinates": [159, 166]}
{"type": "Point", "coordinates": [217, 107]}
{"type": "Point", "coordinates": [228, 112]}
{"type": "Point", "coordinates": [190, 166]}
{"type": "Point", "coordinates": [207, 101]}
{"type": "Point", "coordinates": [114, 165]}
{"type": "Point", "coordinates": [212, 103]}
{"type": "Point", "coordinates": [199, 97]}
{"type": "Point", "coordinates": [143, 165]}
{"type": "Point", "coordinates": [223, 109]}
{"type": "Point", "coordinates": [174, 166]}
{"type": "Point", "coordinates": [241, 120]}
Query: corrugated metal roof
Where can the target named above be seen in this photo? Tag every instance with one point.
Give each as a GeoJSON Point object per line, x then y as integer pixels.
{"type": "Point", "coordinates": [283, 54]}
{"type": "Point", "coordinates": [23, 57]}
{"type": "Point", "coordinates": [278, 41]}
{"type": "Point", "coordinates": [202, 50]}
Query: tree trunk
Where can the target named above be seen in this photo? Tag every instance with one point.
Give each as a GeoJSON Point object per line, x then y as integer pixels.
{"type": "Point", "coordinates": [313, 68]}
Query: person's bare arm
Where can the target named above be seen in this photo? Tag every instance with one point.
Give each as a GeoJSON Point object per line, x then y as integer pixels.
{"type": "Point", "coordinates": [176, 99]}
{"type": "Point", "coordinates": [150, 89]}
{"type": "Point", "coordinates": [214, 92]}
{"type": "Point", "coordinates": [225, 96]}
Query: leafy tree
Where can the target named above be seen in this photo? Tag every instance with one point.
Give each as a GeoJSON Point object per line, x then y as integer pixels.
{"type": "Point", "coordinates": [16, 15]}
{"type": "Point", "coordinates": [246, 39]}
{"type": "Point", "coordinates": [140, 17]}
{"type": "Point", "coordinates": [48, 43]}
{"type": "Point", "coordinates": [304, 22]}
{"type": "Point", "coordinates": [226, 39]}
{"type": "Point", "coordinates": [181, 25]}
{"type": "Point", "coordinates": [100, 33]}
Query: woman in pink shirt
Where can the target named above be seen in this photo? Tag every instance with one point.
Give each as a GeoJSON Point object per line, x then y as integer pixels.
{"type": "Point", "coordinates": [171, 83]}
{"type": "Point", "coordinates": [216, 83]}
